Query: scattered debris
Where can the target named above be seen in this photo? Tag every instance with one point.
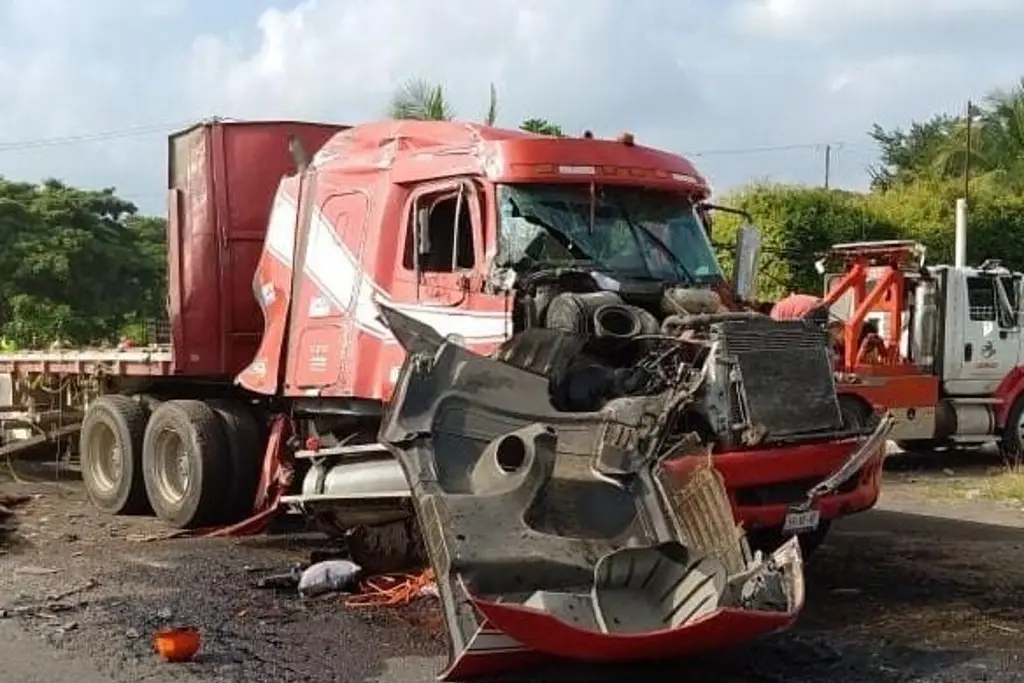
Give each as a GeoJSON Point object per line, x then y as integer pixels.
{"type": "Point", "coordinates": [177, 644]}
{"type": "Point", "coordinates": [88, 585]}
{"type": "Point", "coordinates": [329, 576]}
{"type": "Point", "coordinates": [288, 580]}
{"type": "Point", "coordinates": [391, 590]}
{"type": "Point", "coordinates": [32, 570]}
{"type": "Point", "coordinates": [8, 518]}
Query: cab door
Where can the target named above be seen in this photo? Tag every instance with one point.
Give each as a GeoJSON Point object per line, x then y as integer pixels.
{"type": "Point", "coordinates": [983, 331]}
{"type": "Point", "coordinates": [443, 257]}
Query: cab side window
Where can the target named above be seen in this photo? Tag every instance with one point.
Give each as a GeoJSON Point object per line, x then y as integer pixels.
{"type": "Point", "coordinates": [981, 299]}
{"type": "Point", "coordinates": [450, 235]}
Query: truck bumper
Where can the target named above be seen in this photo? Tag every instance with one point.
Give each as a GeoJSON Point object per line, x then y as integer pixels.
{"type": "Point", "coordinates": [763, 484]}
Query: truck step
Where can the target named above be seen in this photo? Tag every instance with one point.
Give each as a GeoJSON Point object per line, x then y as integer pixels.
{"type": "Point", "coordinates": [361, 449]}
{"type": "Point", "coordinates": [974, 401]}
{"type": "Point", "coordinates": [972, 438]}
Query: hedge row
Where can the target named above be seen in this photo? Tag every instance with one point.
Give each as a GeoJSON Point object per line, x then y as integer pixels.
{"type": "Point", "coordinates": [799, 223]}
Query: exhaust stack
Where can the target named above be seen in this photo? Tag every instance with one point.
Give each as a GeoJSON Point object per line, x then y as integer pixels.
{"type": "Point", "coordinates": [960, 248]}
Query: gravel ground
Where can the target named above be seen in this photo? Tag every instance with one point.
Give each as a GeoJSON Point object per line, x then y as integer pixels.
{"type": "Point", "coordinates": [908, 592]}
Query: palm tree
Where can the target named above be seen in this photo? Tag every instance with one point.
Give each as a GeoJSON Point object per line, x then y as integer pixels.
{"type": "Point", "coordinates": [996, 142]}
{"type": "Point", "coordinates": [419, 100]}
{"type": "Point", "coordinates": [542, 127]}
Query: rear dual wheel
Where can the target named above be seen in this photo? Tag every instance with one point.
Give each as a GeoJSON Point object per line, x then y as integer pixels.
{"type": "Point", "coordinates": [194, 463]}
{"type": "Point", "coordinates": [200, 462]}
{"type": "Point", "coordinates": [110, 443]}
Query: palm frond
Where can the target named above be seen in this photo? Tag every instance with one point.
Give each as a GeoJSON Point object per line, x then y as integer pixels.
{"type": "Point", "coordinates": [419, 100]}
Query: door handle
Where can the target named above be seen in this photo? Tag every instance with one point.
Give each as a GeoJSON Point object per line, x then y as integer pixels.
{"type": "Point", "coordinates": [968, 352]}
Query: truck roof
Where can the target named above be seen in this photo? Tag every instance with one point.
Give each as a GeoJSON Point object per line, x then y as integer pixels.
{"type": "Point", "coordinates": [414, 150]}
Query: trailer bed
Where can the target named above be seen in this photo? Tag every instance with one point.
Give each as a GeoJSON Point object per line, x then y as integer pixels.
{"type": "Point", "coordinates": [148, 362]}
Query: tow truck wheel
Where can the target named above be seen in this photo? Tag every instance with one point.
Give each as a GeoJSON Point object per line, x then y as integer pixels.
{"type": "Point", "coordinates": [185, 463]}
{"type": "Point", "coordinates": [245, 452]}
{"type": "Point", "coordinates": [856, 413]}
{"type": "Point", "coordinates": [110, 446]}
{"type": "Point", "coordinates": [1012, 443]}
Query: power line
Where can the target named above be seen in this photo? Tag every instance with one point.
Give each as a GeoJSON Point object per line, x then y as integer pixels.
{"type": "Point", "coordinates": [135, 131]}
{"type": "Point", "coordinates": [163, 128]}
{"type": "Point", "coordinates": [765, 149]}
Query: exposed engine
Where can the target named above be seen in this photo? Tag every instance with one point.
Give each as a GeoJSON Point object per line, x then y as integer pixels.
{"type": "Point", "coordinates": [746, 379]}
{"type": "Point", "coordinates": [732, 379]}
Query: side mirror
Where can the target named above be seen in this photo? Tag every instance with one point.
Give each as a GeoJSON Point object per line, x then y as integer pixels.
{"type": "Point", "coordinates": [423, 230]}
{"type": "Point", "coordinates": [748, 256]}
{"type": "Point", "coordinates": [704, 213]}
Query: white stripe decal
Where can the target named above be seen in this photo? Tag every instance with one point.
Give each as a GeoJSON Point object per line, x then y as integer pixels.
{"type": "Point", "coordinates": [337, 271]}
{"type": "Point", "coordinates": [281, 230]}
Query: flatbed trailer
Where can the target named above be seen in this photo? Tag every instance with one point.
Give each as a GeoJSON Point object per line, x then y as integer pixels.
{"type": "Point", "coordinates": [148, 362]}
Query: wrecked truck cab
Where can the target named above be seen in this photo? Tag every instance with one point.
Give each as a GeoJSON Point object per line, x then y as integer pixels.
{"type": "Point", "coordinates": [551, 533]}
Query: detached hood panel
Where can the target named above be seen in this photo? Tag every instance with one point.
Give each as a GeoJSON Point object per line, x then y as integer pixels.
{"type": "Point", "coordinates": [552, 535]}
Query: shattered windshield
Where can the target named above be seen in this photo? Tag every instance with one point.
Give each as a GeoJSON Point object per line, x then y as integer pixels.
{"type": "Point", "coordinates": [637, 232]}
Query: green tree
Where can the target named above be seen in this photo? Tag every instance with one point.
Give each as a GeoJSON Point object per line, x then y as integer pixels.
{"type": "Point", "coordinates": [78, 264]}
{"type": "Point", "coordinates": [419, 100]}
{"type": "Point", "coordinates": [542, 127]}
{"type": "Point", "coordinates": [907, 154]}
{"type": "Point", "coordinates": [938, 148]}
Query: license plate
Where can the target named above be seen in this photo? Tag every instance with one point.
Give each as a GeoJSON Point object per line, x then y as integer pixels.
{"type": "Point", "coordinates": [798, 522]}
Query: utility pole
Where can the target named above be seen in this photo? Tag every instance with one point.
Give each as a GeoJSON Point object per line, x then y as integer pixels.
{"type": "Point", "coordinates": [967, 157]}
{"type": "Point", "coordinates": [828, 163]}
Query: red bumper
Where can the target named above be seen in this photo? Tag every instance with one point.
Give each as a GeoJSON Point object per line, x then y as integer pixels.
{"type": "Point", "coordinates": [763, 483]}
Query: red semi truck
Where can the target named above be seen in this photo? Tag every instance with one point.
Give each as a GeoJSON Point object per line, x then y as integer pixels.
{"type": "Point", "coordinates": [285, 237]}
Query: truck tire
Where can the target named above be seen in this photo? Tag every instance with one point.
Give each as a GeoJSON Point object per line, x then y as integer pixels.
{"type": "Point", "coordinates": [1012, 442]}
{"type": "Point", "coordinates": [110, 448]}
{"type": "Point", "coordinates": [245, 456]}
{"type": "Point", "coordinates": [387, 548]}
{"type": "Point", "coordinates": [919, 445]}
{"type": "Point", "coordinates": [185, 463]}
{"type": "Point", "coordinates": [769, 540]}
{"type": "Point", "coordinates": [856, 412]}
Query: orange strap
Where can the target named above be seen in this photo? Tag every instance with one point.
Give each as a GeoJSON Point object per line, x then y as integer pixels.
{"type": "Point", "coordinates": [390, 590]}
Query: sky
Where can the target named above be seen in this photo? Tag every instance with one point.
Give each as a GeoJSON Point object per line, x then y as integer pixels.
{"type": "Point", "coordinates": [750, 89]}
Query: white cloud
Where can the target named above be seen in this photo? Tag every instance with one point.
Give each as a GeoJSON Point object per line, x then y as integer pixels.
{"type": "Point", "coordinates": [821, 20]}
{"type": "Point", "coordinates": [687, 75]}
{"type": "Point", "coordinates": [345, 59]}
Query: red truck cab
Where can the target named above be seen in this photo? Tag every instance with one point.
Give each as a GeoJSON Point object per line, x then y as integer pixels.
{"type": "Point", "coordinates": [482, 233]}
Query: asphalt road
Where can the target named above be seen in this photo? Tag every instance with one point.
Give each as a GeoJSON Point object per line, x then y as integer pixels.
{"type": "Point", "coordinates": [900, 594]}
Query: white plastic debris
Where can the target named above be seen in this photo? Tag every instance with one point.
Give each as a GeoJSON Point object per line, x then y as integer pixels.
{"type": "Point", "coordinates": [327, 577]}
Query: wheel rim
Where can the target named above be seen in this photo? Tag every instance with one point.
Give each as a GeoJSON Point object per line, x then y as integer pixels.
{"type": "Point", "coordinates": [106, 458]}
{"type": "Point", "coordinates": [172, 465]}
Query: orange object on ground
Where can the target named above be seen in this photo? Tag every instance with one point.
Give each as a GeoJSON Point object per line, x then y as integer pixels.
{"type": "Point", "coordinates": [177, 644]}
{"type": "Point", "coordinates": [390, 590]}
